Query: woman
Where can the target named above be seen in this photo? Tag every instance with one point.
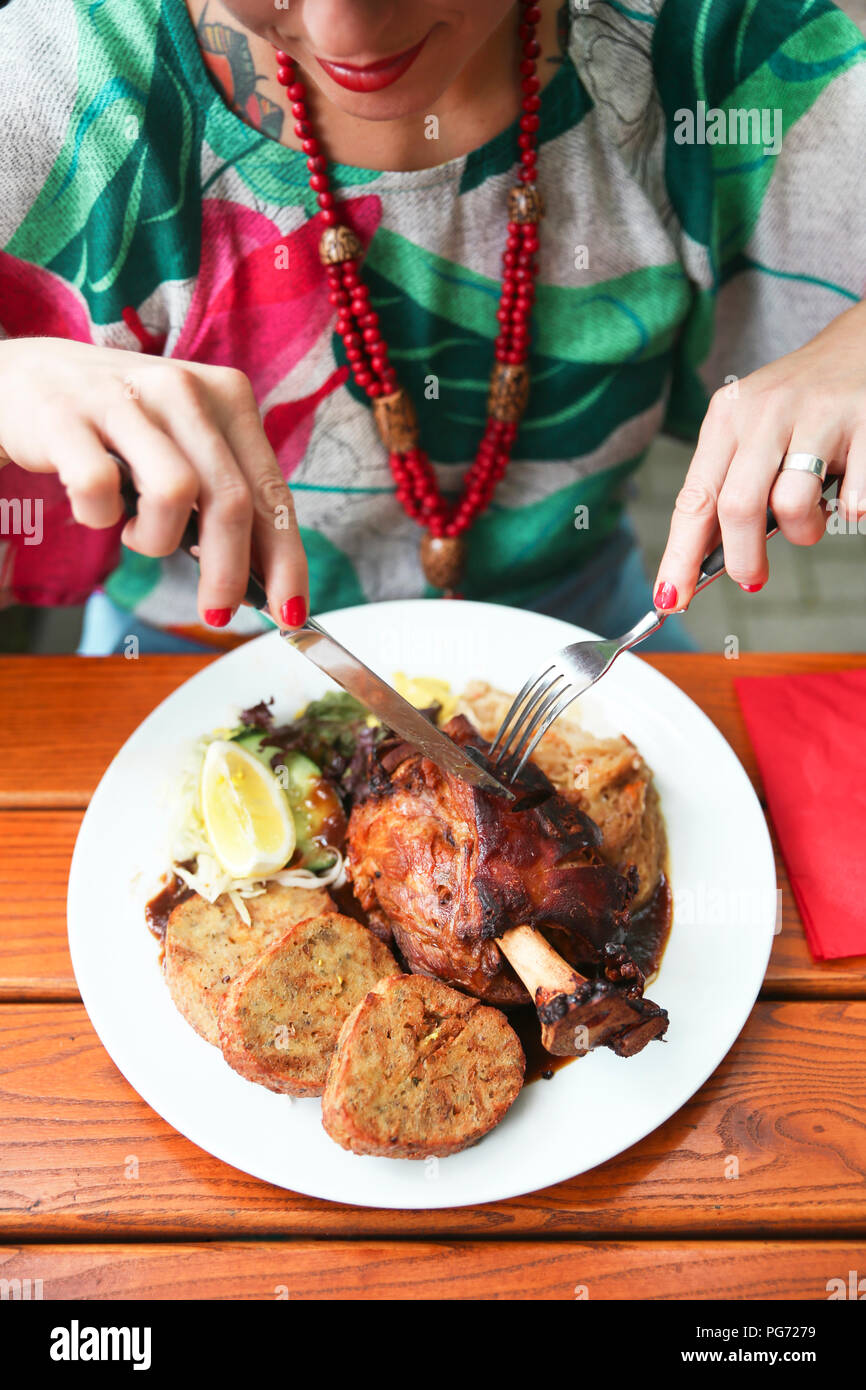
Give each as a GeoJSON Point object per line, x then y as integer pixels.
{"type": "Point", "coordinates": [166, 182]}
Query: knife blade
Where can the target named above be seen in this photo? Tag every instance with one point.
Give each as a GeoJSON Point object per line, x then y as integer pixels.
{"type": "Point", "coordinates": [325, 652]}
{"type": "Point", "coordinates": [323, 649]}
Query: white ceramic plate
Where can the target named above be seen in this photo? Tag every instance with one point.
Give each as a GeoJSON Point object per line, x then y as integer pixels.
{"type": "Point", "coordinates": [725, 908]}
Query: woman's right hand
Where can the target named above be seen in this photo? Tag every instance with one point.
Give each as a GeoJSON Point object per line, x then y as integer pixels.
{"type": "Point", "coordinates": [192, 436]}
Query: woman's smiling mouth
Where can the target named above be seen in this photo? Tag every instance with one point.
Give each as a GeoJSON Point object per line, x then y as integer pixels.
{"type": "Point", "coordinates": [372, 77]}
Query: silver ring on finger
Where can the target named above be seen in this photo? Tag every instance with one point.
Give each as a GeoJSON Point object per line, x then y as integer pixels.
{"type": "Point", "coordinates": [805, 463]}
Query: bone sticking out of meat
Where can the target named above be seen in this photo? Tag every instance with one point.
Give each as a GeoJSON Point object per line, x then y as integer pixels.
{"type": "Point", "coordinates": [577, 1014]}
{"type": "Point", "coordinates": [451, 868]}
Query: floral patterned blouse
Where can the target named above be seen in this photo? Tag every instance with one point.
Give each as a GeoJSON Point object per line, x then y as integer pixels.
{"type": "Point", "coordinates": [700, 162]}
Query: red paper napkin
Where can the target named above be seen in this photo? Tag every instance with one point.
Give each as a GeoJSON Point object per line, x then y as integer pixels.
{"type": "Point", "coordinates": [809, 737]}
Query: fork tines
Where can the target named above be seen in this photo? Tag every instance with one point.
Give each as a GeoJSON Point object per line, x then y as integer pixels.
{"type": "Point", "coordinates": [541, 701]}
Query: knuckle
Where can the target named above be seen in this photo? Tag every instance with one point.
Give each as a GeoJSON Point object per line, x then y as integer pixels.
{"type": "Point", "coordinates": [236, 388]}
{"type": "Point", "coordinates": [92, 508]}
{"type": "Point", "coordinates": [788, 509]}
{"type": "Point", "coordinates": [178, 493]}
{"type": "Point", "coordinates": [695, 501]}
{"type": "Point", "coordinates": [157, 546]}
{"type": "Point", "coordinates": [95, 484]}
{"type": "Point", "coordinates": [189, 388]}
{"type": "Point", "coordinates": [233, 501]}
{"type": "Point", "coordinates": [722, 406]}
{"type": "Point", "coordinates": [736, 507]}
{"type": "Point", "coordinates": [86, 491]}
{"type": "Point", "coordinates": [273, 496]}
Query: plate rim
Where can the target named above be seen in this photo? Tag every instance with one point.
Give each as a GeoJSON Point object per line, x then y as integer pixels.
{"type": "Point", "coordinates": [507, 1190]}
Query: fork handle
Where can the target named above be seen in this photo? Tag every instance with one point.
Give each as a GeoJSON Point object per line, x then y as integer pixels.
{"type": "Point", "coordinates": [714, 564]}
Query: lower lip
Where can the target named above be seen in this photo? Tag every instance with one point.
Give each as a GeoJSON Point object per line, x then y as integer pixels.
{"type": "Point", "coordinates": [375, 77]}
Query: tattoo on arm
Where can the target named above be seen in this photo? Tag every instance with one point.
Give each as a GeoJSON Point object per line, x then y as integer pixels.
{"type": "Point", "coordinates": [227, 57]}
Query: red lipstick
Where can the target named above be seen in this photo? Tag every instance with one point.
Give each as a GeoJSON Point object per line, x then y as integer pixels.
{"type": "Point", "coordinates": [372, 77]}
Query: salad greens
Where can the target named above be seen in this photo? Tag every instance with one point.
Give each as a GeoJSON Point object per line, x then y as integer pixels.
{"type": "Point", "coordinates": [337, 733]}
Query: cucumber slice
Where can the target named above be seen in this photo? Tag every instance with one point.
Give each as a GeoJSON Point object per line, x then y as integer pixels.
{"type": "Point", "coordinates": [315, 805]}
{"type": "Point", "coordinates": [319, 818]}
{"type": "Point", "coordinates": [254, 741]}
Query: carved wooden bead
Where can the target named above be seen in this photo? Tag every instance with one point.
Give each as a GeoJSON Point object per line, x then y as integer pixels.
{"type": "Point", "coordinates": [396, 421]}
{"type": "Point", "coordinates": [338, 244]}
{"type": "Point", "coordinates": [509, 392]}
{"type": "Point", "coordinates": [442, 560]}
{"type": "Point", "coordinates": [525, 203]}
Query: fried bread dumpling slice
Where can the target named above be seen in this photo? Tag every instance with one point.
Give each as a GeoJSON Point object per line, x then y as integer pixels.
{"type": "Point", "coordinates": [420, 1071]}
{"type": "Point", "coordinates": [281, 1016]}
{"type": "Point", "coordinates": [207, 945]}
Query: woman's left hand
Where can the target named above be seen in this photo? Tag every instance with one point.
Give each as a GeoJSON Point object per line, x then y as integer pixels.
{"type": "Point", "coordinates": [811, 401]}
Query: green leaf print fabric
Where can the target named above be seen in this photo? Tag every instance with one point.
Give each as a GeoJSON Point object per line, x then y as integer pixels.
{"type": "Point", "coordinates": [138, 211]}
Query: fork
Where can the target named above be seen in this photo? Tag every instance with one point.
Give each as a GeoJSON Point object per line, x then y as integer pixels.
{"type": "Point", "coordinates": [570, 672]}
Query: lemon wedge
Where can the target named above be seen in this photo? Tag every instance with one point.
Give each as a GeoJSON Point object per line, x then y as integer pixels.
{"type": "Point", "coordinates": [245, 812]}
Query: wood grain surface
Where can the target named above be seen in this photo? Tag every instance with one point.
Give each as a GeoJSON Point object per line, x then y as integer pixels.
{"type": "Point", "coordinates": [58, 741]}
{"type": "Point", "coordinates": [34, 870]}
{"type": "Point", "coordinates": [411, 1270]}
{"type": "Point", "coordinates": [776, 1139]}
{"type": "Point", "coordinates": [755, 1189]}
{"type": "Point", "coordinates": [64, 718]}
{"type": "Point", "coordinates": [37, 846]}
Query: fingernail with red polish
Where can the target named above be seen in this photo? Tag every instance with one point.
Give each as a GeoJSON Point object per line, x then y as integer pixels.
{"type": "Point", "coordinates": [218, 617]}
{"type": "Point", "coordinates": [294, 611]}
{"type": "Point", "coordinates": [665, 597]}
{"type": "Point", "coordinates": [752, 588]}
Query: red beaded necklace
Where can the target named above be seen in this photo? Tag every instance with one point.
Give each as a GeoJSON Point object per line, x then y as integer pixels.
{"type": "Point", "coordinates": [443, 545]}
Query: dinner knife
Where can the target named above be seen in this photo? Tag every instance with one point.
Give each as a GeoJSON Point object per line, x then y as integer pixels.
{"type": "Point", "coordinates": [347, 670]}
{"type": "Point", "coordinates": [323, 649]}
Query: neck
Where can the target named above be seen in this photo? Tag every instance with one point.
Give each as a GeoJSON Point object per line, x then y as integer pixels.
{"type": "Point", "coordinates": [482, 101]}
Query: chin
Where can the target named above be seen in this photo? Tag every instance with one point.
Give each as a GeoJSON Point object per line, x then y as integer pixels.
{"type": "Point", "coordinates": [387, 105]}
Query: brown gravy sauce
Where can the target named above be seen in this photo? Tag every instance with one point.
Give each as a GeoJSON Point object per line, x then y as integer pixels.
{"type": "Point", "coordinates": [540, 1064]}
{"type": "Point", "coordinates": [160, 908]}
{"type": "Point", "coordinates": [323, 801]}
{"type": "Point", "coordinates": [650, 928]}
{"type": "Point", "coordinates": [348, 904]}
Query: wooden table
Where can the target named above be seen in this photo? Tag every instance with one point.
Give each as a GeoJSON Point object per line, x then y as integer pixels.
{"type": "Point", "coordinates": [100, 1198]}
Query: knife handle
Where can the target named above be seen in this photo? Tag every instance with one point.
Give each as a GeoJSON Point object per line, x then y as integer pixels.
{"type": "Point", "coordinates": [255, 593]}
{"type": "Point", "coordinates": [714, 564]}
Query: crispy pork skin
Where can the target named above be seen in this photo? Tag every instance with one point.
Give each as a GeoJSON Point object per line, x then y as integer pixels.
{"type": "Point", "coordinates": [451, 867]}
{"type": "Point", "coordinates": [606, 777]}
